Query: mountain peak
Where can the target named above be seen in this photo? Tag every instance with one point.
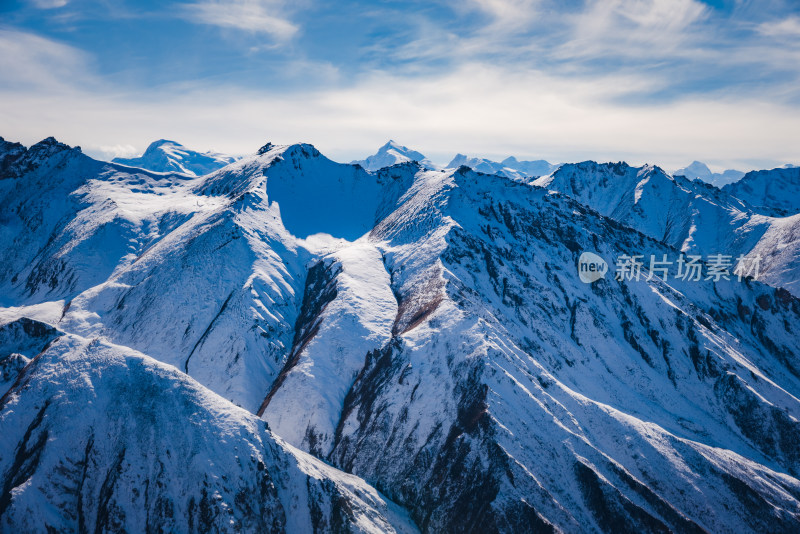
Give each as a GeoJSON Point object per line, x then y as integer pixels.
{"type": "Point", "coordinates": [165, 155]}
{"type": "Point", "coordinates": [392, 153]}
{"type": "Point", "coordinates": [266, 148]}
{"type": "Point", "coordinates": [51, 144]}
{"type": "Point", "coordinates": [163, 142]}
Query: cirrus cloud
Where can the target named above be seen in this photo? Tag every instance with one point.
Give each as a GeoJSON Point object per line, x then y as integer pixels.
{"type": "Point", "coordinates": [255, 16]}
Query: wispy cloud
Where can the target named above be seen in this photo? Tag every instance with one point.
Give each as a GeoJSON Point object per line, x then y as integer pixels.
{"type": "Point", "coordinates": [48, 4]}
{"type": "Point", "coordinates": [29, 61]}
{"type": "Point", "coordinates": [639, 28]}
{"type": "Point", "coordinates": [788, 27]}
{"type": "Point", "coordinates": [508, 15]}
{"type": "Point", "coordinates": [478, 108]}
{"type": "Point", "coordinates": [255, 16]}
{"type": "Point", "coordinates": [645, 80]}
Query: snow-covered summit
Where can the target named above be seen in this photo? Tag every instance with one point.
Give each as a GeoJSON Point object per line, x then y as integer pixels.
{"type": "Point", "coordinates": [9, 153]}
{"type": "Point", "coordinates": [393, 153]}
{"type": "Point", "coordinates": [168, 156]}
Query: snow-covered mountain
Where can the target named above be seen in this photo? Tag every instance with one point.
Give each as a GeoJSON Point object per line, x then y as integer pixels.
{"type": "Point", "coordinates": [423, 333]}
{"type": "Point", "coordinates": [98, 437]}
{"type": "Point", "coordinates": [698, 169]}
{"type": "Point", "coordinates": [691, 216]}
{"type": "Point", "coordinates": [393, 153]}
{"type": "Point", "coordinates": [169, 156]}
{"type": "Point", "coordinates": [510, 167]}
{"type": "Point", "coordinates": [775, 191]}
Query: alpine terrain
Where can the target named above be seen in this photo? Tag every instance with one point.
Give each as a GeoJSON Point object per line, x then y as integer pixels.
{"type": "Point", "coordinates": [291, 344]}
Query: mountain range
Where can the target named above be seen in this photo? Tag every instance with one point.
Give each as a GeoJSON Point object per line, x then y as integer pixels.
{"type": "Point", "coordinates": [292, 344]}
{"type": "Point", "coordinates": [692, 216]}
{"type": "Point", "coordinates": [509, 167]}
{"type": "Point", "coordinates": [393, 153]}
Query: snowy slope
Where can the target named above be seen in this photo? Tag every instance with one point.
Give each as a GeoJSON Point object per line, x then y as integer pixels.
{"type": "Point", "coordinates": [169, 156]}
{"type": "Point", "coordinates": [349, 312]}
{"type": "Point", "coordinates": [691, 216]}
{"type": "Point", "coordinates": [779, 253]}
{"type": "Point", "coordinates": [171, 265]}
{"type": "Point", "coordinates": [774, 192]}
{"type": "Point", "coordinates": [152, 450]}
{"type": "Point", "coordinates": [393, 153]}
{"type": "Point", "coordinates": [699, 170]}
{"type": "Point", "coordinates": [232, 267]}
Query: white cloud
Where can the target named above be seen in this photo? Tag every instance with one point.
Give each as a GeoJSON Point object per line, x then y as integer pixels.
{"type": "Point", "coordinates": [27, 60]}
{"type": "Point", "coordinates": [109, 152]}
{"type": "Point", "coordinates": [255, 16]}
{"type": "Point", "coordinates": [48, 4]}
{"type": "Point", "coordinates": [481, 106]}
{"type": "Point", "coordinates": [507, 14]}
{"type": "Point", "coordinates": [788, 27]}
{"type": "Point", "coordinates": [639, 28]}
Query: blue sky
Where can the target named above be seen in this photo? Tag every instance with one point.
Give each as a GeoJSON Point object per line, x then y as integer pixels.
{"type": "Point", "coordinates": [660, 81]}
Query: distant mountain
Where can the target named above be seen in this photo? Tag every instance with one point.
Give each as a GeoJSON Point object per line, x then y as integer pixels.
{"type": "Point", "coordinates": [776, 191]}
{"type": "Point", "coordinates": [169, 156]}
{"type": "Point", "coordinates": [393, 153]}
{"type": "Point", "coordinates": [700, 170]}
{"type": "Point", "coordinates": [509, 167]}
{"type": "Point", "coordinates": [532, 169]}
